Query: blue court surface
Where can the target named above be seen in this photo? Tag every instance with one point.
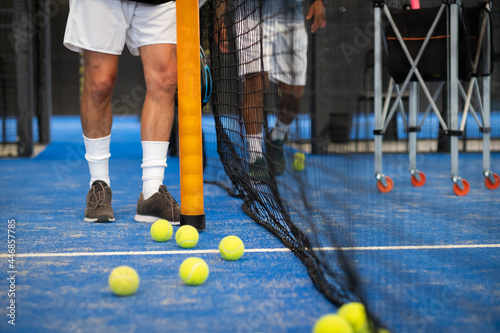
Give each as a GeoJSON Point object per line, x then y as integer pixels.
{"type": "Point", "coordinates": [429, 260]}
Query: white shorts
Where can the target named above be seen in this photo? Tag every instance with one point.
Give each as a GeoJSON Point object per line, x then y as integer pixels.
{"type": "Point", "coordinates": [106, 25]}
{"type": "Point", "coordinates": [283, 50]}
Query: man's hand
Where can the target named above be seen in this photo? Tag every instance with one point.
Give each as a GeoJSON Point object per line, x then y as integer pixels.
{"type": "Point", "coordinates": [317, 13]}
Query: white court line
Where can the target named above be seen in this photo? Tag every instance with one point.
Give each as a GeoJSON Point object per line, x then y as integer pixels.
{"type": "Point", "coordinates": [357, 248]}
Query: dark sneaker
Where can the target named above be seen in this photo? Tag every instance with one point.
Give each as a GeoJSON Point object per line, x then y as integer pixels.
{"type": "Point", "coordinates": [277, 155]}
{"type": "Point", "coordinates": [99, 203]}
{"type": "Point", "coordinates": [160, 205]}
{"type": "Point", "coordinates": [259, 171]}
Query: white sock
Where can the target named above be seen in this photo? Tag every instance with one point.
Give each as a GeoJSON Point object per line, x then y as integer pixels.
{"type": "Point", "coordinates": [280, 130]}
{"type": "Point", "coordinates": [255, 146]}
{"type": "Point", "coordinates": [97, 155]}
{"type": "Point", "coordinates": [154, 162]}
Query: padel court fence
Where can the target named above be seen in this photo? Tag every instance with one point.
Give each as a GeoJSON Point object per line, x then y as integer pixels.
{"type": "Point", "coordinates": [341, 69]}
{"type": "Point", "coordinates": [25, 76]}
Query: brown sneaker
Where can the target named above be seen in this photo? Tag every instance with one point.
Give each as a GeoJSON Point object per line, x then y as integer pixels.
{"type": "Point", "coordinates": [99, 203]}
{"type": "Point", "coordinates": [160, 205]}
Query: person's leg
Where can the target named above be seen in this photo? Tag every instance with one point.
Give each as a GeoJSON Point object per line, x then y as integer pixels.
{"type": "Point", "coordinates": [253, 112]}
{"type": "Point", "coordinates": [96, 117]}
{"type": "Point", "coordinates": [160, 72]}
{"type": "Point", "coordinates": [288, 108]}
{"type": "Point", "coordinates": [288, 67]}
{"type": "Point", "coordinates": [100, 77]}
{"type": "Point", "coordinates": [97, 28]}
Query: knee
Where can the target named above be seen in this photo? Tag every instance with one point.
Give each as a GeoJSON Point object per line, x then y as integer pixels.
{"type": "Point", "coordinates": [295, 93]}
{"type": "Point", "coordinates": [298, 92]}
{"type": "Point", "coordinates": [100, 86]}
{"type": "Point", "coordinates": [162, 82]}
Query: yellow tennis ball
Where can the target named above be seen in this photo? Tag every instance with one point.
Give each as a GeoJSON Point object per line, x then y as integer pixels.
{"type": "Point", "coordinates": [194, 271]}
{"type": "Point", "coordinates": [161, 231]}
{"type": "Point", "coordinates": [187, 236]}
{"type": "Point", "coordinates": [355, 314]}
{"type": "Point", "coordinates": [299, 162]}
{"type": "Point", "coordinates": [231, 248]}
{"type": "Point", "coordinates": [298, 165]}
{"type": "Point", "coordinates": [123, 281]}
{"type": "Point", "coordinates": [332, 323]}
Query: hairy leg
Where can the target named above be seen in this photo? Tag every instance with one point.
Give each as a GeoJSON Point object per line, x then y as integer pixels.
{"type": "Point", "coordinates": [253, 102]}
{"type": "Point", "coordinates": [100, 78]}
{"type": "Point", "coordinates": [160, 72]}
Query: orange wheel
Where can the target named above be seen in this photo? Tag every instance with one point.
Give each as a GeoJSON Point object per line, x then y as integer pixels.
{"type": "Point", "coordinates": [417, 183]}
{"type": "Point", "coordinates": [459, 191]}
{"type": "Point", "coordinates": [490, 185]}
{"type": "Point", "coordinates": [385, 189]}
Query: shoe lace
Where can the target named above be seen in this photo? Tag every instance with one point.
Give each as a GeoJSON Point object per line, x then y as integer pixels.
{"type": "Point", "coordinates": [168, 198]}
{"type": "Point", "coordinates": [96, 200]}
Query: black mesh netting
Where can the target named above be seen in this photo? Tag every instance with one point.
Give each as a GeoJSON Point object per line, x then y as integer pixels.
{"type": "Point", "coordinates": [328, 211]}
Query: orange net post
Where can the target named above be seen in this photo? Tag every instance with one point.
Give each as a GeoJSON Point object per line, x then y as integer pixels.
{"type": "Point", "coordinates": [189, 102]}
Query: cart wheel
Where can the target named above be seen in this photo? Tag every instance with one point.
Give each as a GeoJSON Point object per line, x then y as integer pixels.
{"type": "Point", "coordinates": [459, 191]}
{"type": "Point", "coordinates": [490, 185]}
{"type": "Point", "coordinates": [417, 183]}
{"type": "Point", "coordinates": [385, 189]}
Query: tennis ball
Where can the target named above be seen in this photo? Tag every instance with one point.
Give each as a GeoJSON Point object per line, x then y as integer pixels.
{"type": "Point", "coordinates": [231, 248]}
{"type": "Point", "coordinates": [300, 156]}
{"type": "Point", "coordinates": [355, 314]}
{"type": "Point", "coordinates": [161, 231]}
{"type": "Point", "coordinates": [193, 271]}
{"type": "Point", "coordinates": [123, 281]}
{"type": "Point", "coordinates": [299, 162]}
{"type": "Point", "coordinates": [187, 236]}
{"type": "Point", "coordinates": [332, 323]}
